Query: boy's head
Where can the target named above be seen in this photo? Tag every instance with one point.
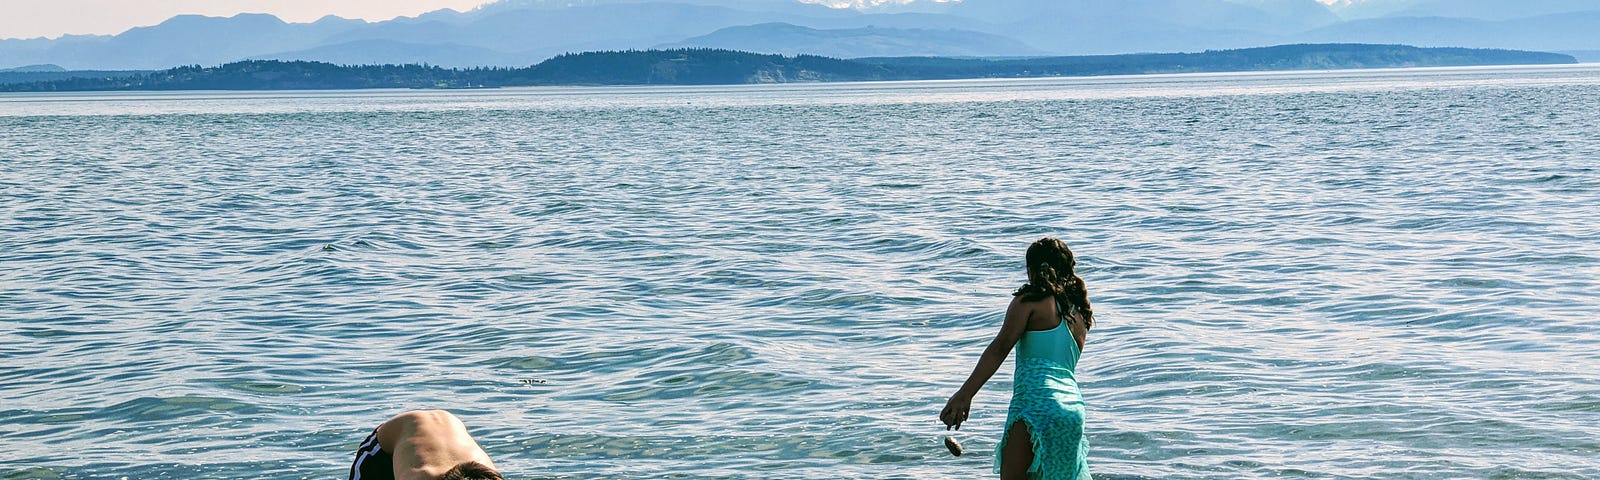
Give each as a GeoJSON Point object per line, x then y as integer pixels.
{"type": "Point", "coordinates": [471, 471]}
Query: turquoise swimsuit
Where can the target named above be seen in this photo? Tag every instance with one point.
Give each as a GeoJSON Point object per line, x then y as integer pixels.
{"type": "Point", "coordinates": [1045, 394]}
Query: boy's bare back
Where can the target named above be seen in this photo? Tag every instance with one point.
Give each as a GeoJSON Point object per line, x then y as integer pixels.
{"type": "Point", "coordinates": [428, 443]}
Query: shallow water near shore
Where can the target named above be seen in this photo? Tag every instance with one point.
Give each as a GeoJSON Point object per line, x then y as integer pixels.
{"type": "Point", "coordinates": [1373, 274]}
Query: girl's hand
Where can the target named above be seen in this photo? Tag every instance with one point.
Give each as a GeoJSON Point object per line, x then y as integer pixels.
{"type": "Point", "coordinates": [955, 410]}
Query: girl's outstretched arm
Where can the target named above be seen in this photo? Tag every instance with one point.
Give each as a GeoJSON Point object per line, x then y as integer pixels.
{"type": "Point", "coordinates": [1016, 324]}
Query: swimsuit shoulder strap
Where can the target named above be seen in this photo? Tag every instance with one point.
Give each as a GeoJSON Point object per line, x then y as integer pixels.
{"type": "Point", "coordinates": [1065, 313]}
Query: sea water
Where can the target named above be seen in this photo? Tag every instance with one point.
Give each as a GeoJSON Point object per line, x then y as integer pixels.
{"type": "Point", "coordinates": [1368, 274]}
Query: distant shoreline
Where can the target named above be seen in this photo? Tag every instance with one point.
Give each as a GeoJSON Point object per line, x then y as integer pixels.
{"type": "Point", "coordinates": [726, 67]}
{"type": "Point", "coordinates": [1094, 79]}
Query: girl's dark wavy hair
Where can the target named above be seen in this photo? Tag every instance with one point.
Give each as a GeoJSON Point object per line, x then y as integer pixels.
{"type": "Point", "coordinates": [1051, 274]}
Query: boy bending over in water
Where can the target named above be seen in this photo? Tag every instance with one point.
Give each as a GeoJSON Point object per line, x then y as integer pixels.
{"type": "Point", "coordinates": [422, 445]}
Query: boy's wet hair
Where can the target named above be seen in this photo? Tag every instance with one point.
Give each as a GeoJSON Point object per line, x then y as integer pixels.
{"type": "Point", "coordinates": [471, 471]}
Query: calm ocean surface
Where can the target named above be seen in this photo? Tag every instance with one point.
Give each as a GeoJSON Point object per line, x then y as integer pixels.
{"type": "Point", "coordinates": [1379, 274]}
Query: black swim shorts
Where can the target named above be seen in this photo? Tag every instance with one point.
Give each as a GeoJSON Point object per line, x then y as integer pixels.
{"type": "Point", "coordinates": [372, 463]}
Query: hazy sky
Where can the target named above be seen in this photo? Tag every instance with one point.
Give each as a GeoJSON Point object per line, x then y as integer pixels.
{"type": "Point", "coordinates": [53, 18]}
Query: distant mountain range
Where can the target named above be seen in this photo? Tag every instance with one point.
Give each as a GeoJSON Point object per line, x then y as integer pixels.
{"type": "Point", "coordinates": [524, 32]}
{"type": "Point", "coordinates": [45, 68]}
{"type": "Point", "coordinates": [790, 39]}
{"type": "Point", "coordinates": [1468, 9]}
{"type": "Point", "coordinates": [1555, 32]}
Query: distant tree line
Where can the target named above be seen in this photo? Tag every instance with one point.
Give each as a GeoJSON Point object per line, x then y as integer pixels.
{"type": "Point", "coordinates": [50, 76]}
{"type": "Point", "coordinates": [1282, 57]}
{"type": "Point", "coordinates": [703, 66]}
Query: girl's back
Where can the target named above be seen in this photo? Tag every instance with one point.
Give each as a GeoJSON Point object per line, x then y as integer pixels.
{"type": "Point", "coordinates": [1051, 334]}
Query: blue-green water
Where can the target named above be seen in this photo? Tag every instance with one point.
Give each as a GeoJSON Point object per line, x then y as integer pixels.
{"type": "Point", "coordinates": [1386, 274]}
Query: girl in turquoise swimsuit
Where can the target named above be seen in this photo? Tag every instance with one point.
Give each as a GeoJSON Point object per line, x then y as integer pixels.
{"type": "Point", "coordinates": [1047, 322]}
